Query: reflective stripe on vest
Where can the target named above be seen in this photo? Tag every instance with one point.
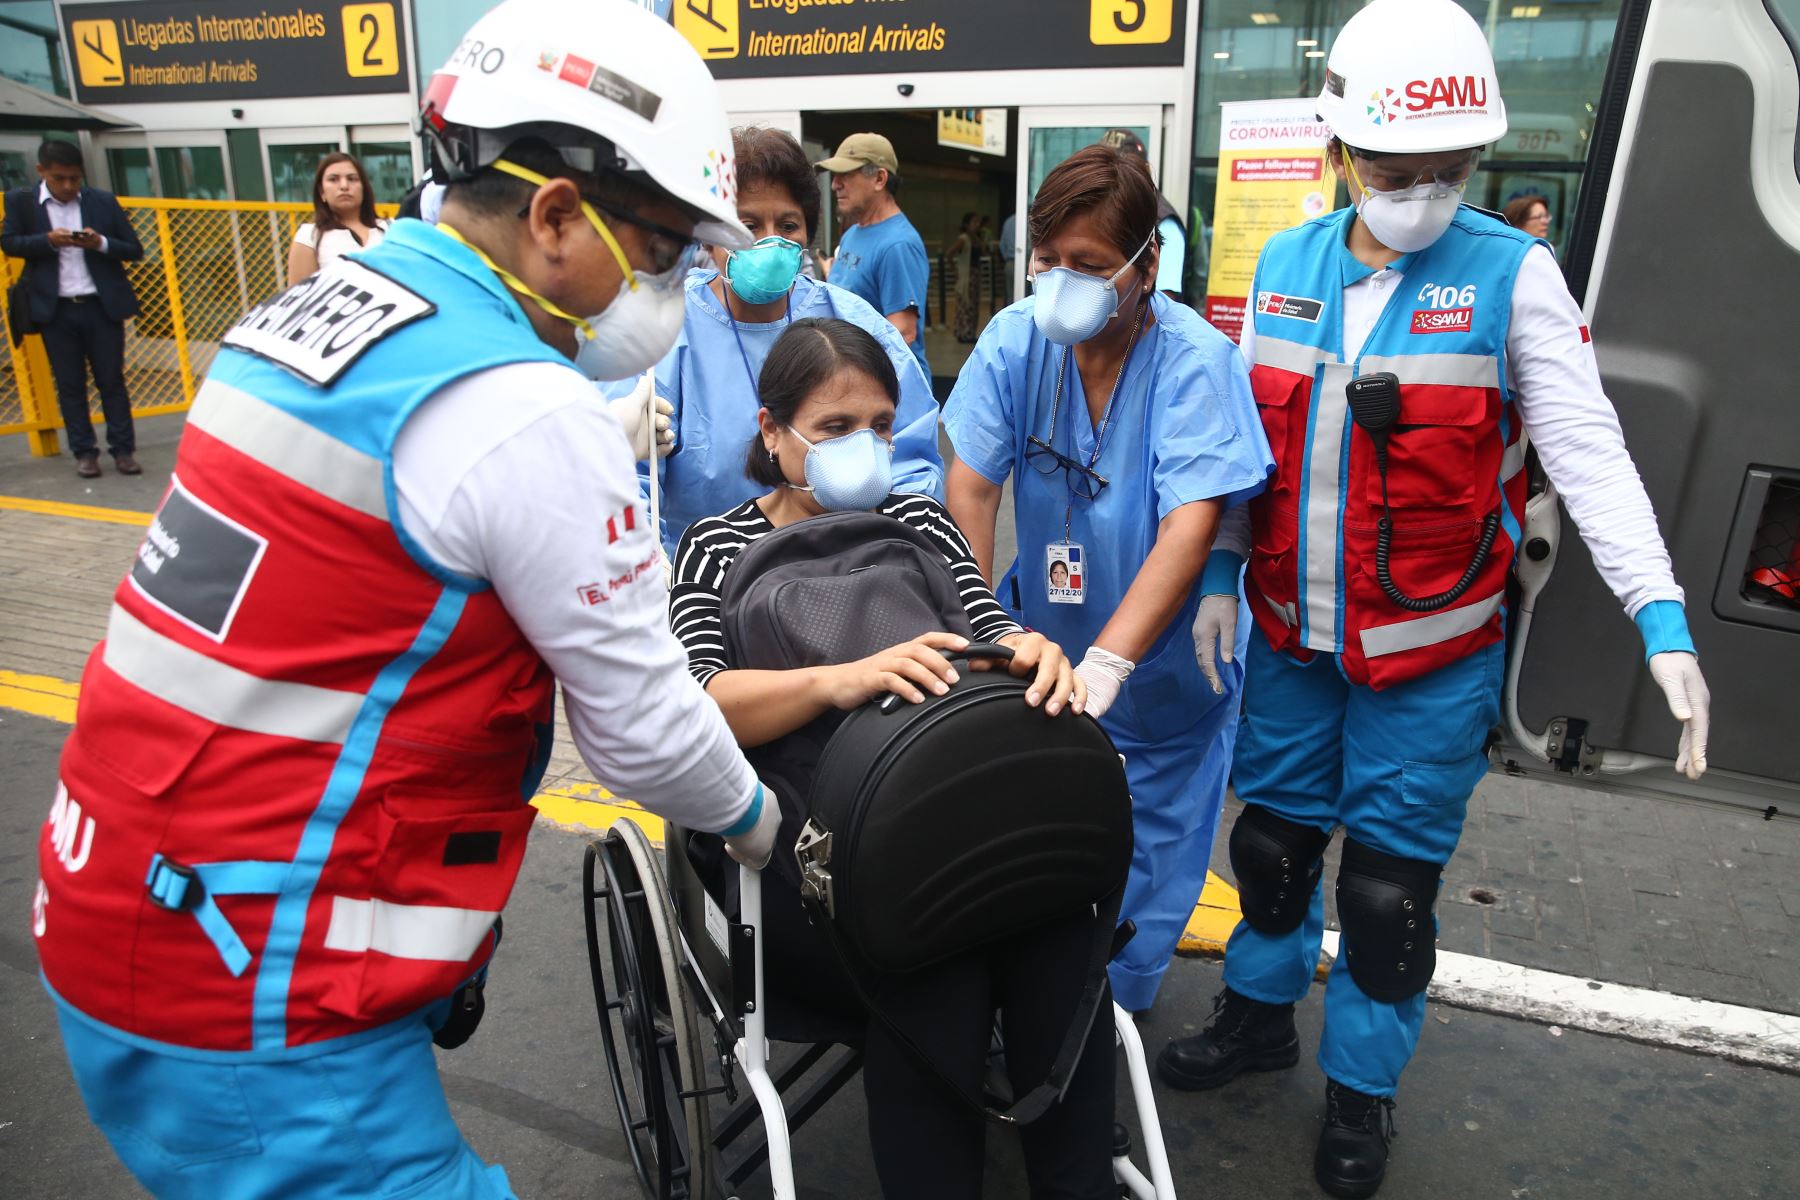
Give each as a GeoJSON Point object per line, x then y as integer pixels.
{"type": "Point", "coordinates": [308, 456]}
{"type": "Point", "coordinates": [221, 693]}
{"type": "Point", "coordinates": [418, 931]}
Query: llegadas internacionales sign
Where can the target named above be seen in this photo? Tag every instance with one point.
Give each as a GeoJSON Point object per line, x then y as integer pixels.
{"type": "Point", "coordinates": [158, 50]}
{"type": "Point", "coordinates": [760, 38]}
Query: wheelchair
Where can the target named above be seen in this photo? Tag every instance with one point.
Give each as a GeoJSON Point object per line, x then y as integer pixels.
{"type": "Point", "coordinates": [680, 993]}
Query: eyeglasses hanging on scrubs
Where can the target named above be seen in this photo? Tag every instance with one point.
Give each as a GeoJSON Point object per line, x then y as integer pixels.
{"type": "Point", "coordinates": [1413, 214]}
{"type": "Point", "coordinates": [632, 333]}
{"type": "Point", "coordinates": [1072, 306]}
{"type": "Point", "coordinates": [763, 273]}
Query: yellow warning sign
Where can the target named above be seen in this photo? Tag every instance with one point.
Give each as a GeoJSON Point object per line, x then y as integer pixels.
{"type": "Point", "coordinates": [1130, 22]}
{"type": "Point", "coordinates": [710, 26]}
{"type": "Point", "coordinates": [371, 47]}
{"type": "Point", "coordinates": [97, 57]}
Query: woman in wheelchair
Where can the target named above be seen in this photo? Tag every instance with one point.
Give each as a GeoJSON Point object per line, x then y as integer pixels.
{"type": "Point", "coordinates": [828, 393]}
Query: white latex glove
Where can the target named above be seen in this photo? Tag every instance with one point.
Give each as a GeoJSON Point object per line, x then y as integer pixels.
{"type": "Point", "coordinates": [1215, 631]}
{"type": "Point", "coordinates": [633, 414]}
{"type": "Point", "coordinates": [1677, 673]}
{"type": "Point", "coordinates": [754, 849]}
{"type": "Point", "coordinates": [1104, 673]}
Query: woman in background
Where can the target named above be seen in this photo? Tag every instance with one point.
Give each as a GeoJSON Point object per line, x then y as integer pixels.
{"type": "Point", "coordinates": [343, 217]}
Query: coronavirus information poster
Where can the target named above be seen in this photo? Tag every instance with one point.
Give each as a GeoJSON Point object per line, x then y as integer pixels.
{"type": "Point", "coordinates": [1272, 176]}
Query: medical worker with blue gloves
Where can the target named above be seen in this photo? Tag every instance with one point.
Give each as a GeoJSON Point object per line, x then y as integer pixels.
{"type": "Point", "coordinates": [1402, 352]}
{"type": "Point", "coordinates": [706, 385]}
{"type": "Point", "coordinates": [1126, 424]}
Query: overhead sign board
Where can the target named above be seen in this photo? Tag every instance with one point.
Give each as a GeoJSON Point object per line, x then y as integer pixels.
{"type": "Point", "coordinates": [158, 50]}
{"type": "Point", "coordinates": [982, 130]}
{"type": "Point", "coordinates": [743, 39]}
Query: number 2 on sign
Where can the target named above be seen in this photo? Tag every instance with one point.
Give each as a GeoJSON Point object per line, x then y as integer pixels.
{"type": "Point", "coordinates": [371, 45]}
{"type": "Point", "coordinates": [1130, 22]}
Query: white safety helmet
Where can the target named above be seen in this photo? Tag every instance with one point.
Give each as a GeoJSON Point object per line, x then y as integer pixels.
{"type": "Point", "coordinates": [1412, 77]}
{"type": "Point", "coordinates": [608, 84]}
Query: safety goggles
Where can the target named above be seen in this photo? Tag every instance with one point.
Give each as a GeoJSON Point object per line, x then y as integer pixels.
{"type": "Point", "coordinates": [669, 250]}
{"type": "Point", "coordinates": [1046, 459]}
{"type": "Point", "coordinates": [1380, 175]}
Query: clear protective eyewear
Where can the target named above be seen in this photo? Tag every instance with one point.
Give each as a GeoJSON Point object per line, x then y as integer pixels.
{"type": "Point", "coordinates": [1381, 176]}
{"type": "Point", "coordinates": [667, 248]}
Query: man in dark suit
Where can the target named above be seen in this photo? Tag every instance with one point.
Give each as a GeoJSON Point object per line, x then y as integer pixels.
{"type": "Point", "coordinates": [73, 240]}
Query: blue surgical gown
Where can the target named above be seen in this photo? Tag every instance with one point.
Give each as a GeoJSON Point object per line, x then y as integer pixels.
{"type": "Point", "coordinates": [710, 383]}
{"type": "Point", "coordinates": [1184, 428]}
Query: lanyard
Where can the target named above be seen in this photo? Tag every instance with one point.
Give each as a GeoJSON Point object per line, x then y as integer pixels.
{"type": "Point", "coordinates": [1062, 370]}
{"type": "Point", "coordinates": [788, 319]}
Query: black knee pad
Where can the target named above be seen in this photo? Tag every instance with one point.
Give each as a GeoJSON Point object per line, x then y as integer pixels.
{"type": "Point", "coordinates": [1277, 863]}
{"type": "Point", "coordinates": [1384, 904]}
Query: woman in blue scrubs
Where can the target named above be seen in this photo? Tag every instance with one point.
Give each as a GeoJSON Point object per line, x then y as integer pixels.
{"type": "Point", "coordinates": [734, 315]}
{"type": "Point", "coordinates": [1127, 425]}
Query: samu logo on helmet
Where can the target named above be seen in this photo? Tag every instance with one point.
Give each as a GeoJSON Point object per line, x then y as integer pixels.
{"type": "Point", "coordinates": [1383, 110]}
{"type": "Point", "coordinates": [1447, 94]}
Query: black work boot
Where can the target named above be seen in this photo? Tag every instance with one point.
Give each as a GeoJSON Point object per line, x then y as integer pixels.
{"type": "Point", "coordinates": [1353, 1146]}
{"type": "Point", "coordinates": [1245, 1035]}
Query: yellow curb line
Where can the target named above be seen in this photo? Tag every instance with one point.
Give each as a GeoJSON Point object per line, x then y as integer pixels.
{"type": "Point", "coordinates": [1215, 916]}
{"type": "Point", "coordinates": [81, 512]}
{"type": "Point", "coordinates": [39, 695]}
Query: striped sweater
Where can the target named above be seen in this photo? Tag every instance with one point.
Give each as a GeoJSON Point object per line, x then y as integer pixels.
{"type": "Point", "coordinates": [712, 544]}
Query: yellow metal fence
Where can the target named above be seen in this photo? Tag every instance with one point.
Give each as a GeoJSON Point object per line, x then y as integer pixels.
{"type": "Point", "coordinates": [205, 262]}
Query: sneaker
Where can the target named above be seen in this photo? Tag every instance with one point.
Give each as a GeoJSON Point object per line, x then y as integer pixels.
{"type": "Point", "coordinates": [1353, 1147]}
{"type": "Point", "coordinates": [125, 464]}
{"type": "Point", "coordinates": [1245, 1035]}
{"type": "Point", "coordinates": [88, 466]}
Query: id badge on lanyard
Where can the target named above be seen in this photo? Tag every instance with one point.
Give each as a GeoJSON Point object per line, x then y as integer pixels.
{"type": "Point", "coordinates": [1065, 573]}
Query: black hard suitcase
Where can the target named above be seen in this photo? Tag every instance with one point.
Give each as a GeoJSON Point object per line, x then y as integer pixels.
{"type": "Point", "coordinates": [940, 826]}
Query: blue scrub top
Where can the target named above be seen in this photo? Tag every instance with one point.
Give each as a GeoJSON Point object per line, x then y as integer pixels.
{"type": "Point", "coordinates": [1184, 427]}
{"type": "Point", "coordinates": [706, 380]}
{"type": "Point", "coordinates": [885, 264]}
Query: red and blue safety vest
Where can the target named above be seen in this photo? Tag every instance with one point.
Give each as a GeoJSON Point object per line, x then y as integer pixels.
{"type": "Point", "coordinates": [1454, 457]}
{"type": "Point", "coordinates": [295, 798]}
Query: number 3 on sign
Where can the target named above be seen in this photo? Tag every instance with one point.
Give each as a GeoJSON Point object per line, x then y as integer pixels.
{"type": "Point", "coordinates": [1130, 22]}
{"type": "Point", "coordinates": [371, 46]}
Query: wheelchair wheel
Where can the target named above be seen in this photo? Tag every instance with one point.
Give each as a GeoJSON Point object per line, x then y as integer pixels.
{"type": "Point", "coordinates": [649, 1025]}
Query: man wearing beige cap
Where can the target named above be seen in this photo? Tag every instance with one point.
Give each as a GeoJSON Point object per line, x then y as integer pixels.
{"type": "Point", "coordinates": [880, 256]}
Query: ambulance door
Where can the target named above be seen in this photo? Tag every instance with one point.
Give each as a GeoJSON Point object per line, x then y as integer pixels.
{"type": "Point", "coordinates": [1686, 253]}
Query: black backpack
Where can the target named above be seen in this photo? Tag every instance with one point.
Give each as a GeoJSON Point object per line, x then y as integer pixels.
{"type": "Point", "coordinates": [926, 829]}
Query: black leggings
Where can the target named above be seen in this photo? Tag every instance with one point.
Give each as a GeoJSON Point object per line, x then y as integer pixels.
{"type": "Point", "coordinates": [928, 1144]}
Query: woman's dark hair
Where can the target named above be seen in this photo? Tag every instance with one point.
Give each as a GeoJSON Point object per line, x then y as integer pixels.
{"type": "Point", "coordinates": [323, 217]}
{"type": "Point", "coordinates": [968, 220]}
{"type": "Point", "coordinates": [769, 157]}
{"type": "Point", "coordinates": [1518, 209]}
{"type": "Point", "coordinates": [1112, 189]}
{"type": "Point", "coordinates": [810, 352]}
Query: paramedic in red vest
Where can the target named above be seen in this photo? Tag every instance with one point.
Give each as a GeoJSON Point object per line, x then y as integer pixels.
{"type": "Point", "coordinates": [1381, 593]}
{"type": "Point", "coordinates": [295, 799]}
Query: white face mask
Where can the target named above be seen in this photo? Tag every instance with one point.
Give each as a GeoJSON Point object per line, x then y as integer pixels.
{"type": "Point", "coordinates": [1073, 306]}
{"type": "Point", "coordinates": [1410, 219]}
{"type": "Point", "coordinates": [636, 329]}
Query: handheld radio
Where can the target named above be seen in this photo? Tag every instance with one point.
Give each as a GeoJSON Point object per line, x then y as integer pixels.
{"type": "Point", "coordinates": [1375, 406]}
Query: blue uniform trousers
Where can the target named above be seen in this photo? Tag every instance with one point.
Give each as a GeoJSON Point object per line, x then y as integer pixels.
{"type": "Point", "coordinates": [1395, 768]}
{"type": "Point", "coordinates": [366, 1118]}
